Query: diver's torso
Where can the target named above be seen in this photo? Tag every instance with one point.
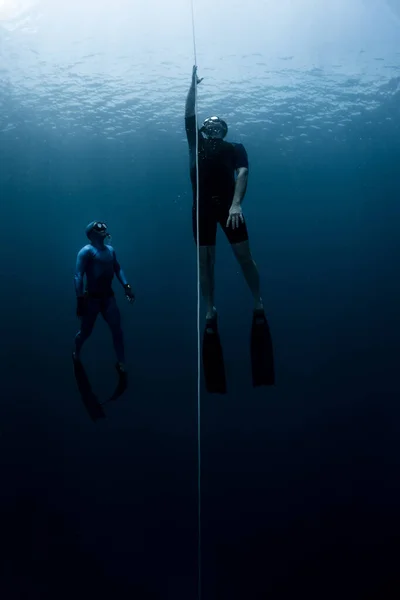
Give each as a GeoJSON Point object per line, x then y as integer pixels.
{"type": "Point", "coordinates": [216, 169]}
{"type": "Point", "coordinates": [100, 269]}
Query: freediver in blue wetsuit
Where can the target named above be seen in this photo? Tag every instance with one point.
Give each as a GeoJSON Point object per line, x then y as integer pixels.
{"type": "Point", "coordinates": [98, 262]}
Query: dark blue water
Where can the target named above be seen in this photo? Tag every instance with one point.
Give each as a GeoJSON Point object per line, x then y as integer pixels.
{"type": "Point", "coordinates": [300, 487]}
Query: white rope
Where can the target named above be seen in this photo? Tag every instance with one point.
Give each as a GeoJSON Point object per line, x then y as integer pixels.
{"type": "Point", "coordinates": [198, 326]}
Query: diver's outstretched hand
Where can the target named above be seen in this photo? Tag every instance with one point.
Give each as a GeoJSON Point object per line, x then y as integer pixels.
{"type": "Point", "coordinates": [195, 79]}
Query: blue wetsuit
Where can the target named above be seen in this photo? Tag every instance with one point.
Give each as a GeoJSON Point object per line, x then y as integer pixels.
{"type": "Point", "coordinates": [99, 265]}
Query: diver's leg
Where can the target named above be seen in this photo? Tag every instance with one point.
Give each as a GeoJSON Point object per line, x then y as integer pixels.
{"type": "Point", "coordinates": [207, 284]}
{"type": "Point", "coordinates": [112, 317]}
{"type": "Point", "coordinates": [87, 324]}
{"type": "Point", "coordinates": [250, 271]}
{"type": "Point", "coordinates": [239, 240]}
{"type": "Point", "coordinates": [206, 256]}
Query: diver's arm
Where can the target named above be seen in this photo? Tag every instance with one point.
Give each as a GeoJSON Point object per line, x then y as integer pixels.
{"type": "Point", "coordinates": [122, 279]}
{"type": "Point", "coordinates": [240, 186]}
{"type": "Point", "coordinates": [190, 115]}
{"type": "Point", "coordinates": [80, 269]}
{"type": "Point", "coordinates": [242, 170]}
{"type": "Point", "coordinates": [120, 275]}
{"type": "Point", "coordinates": [190, 109]}
{"type": "Point", "coordinates": [191, 101]}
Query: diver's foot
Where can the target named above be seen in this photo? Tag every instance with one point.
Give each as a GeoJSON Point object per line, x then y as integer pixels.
{"type": "Point", "coordinates": [211, 314]}
{"type": "Point", "coordinates": [211, 320]}
{"type": "Point", "coordinates": [121, 369]}
{"type": "Point", "coordinates": [258, 305]}
{"type": "Point", "coordinates": [259, 316]}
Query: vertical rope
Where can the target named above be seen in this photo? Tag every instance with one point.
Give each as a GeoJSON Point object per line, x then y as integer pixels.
{"type": "Point", "coordinates": [198, 329]}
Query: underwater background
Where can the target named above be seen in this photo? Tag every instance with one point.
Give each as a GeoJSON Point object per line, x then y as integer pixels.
{"type": "Point", "coordinates": [300, 487]}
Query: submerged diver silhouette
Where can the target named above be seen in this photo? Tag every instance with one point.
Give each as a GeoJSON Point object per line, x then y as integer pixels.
{"type": "Point", "coordinates": [98, 262]}
{"type": "Point", "coordinates": [222, 175]}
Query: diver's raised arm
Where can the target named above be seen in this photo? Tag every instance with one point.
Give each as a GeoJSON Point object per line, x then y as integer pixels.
{"type": "Point", "coordinates": [191, 97]}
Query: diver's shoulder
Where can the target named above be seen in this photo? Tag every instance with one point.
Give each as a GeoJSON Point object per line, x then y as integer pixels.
{"type": "Point", "coordinates": [88, 249]}
{"type": "Point", "coordinates": [110, 248]}
{"type": "Point", "coordinates": [237, 144]}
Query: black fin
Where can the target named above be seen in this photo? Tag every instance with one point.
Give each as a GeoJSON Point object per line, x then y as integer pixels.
{"type": "Point", "coordinates": [122, 384]}
{"type": "Point", "coordinates": [89, 399]}
{"type": "Point", "coordinates": [213, 359]}
{"type": "Point", "coordinates": [261, 351]}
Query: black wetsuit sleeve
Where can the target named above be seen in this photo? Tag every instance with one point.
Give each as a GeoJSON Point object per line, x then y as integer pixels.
{"type": "Point", "coordinates": [241, 158]}
{"type": "Point", "coordinates": [190, 124]}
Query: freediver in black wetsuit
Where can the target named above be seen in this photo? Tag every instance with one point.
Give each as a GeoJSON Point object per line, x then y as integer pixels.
{"type": "Point", "coordinates": [223, 176]}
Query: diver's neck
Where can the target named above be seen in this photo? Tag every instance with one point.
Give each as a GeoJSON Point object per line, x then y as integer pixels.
{"type": "Point", "coordinates": [99, 245]}
{"type": "Point", "coordinates": [215, 142]}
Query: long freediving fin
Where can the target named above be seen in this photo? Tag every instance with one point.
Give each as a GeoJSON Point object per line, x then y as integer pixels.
{"type": "Point", "coordinates": [89, 399]}
{"type": "Point", "coordinates": [213, 359]}
{"type": "Point", "coordinates": [121, 385]}
{"type": "Point", "coordinates": [261, 351]}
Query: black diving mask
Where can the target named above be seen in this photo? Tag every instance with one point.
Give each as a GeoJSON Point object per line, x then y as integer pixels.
{"type": "Point", "coordinates": [99, 227]}
{"type": "Point", "coordinates": [214, 127]}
